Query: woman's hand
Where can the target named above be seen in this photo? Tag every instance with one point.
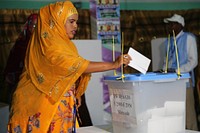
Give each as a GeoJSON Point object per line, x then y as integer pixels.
{"type": "Point", "coordinates": [123, 59]}
{"type": "Point", "coordinates": [78, 102]}
{"type": "Point", "coordinates": [105, 66]}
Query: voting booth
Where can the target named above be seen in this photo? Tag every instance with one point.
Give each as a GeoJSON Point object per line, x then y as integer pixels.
{"type": "Point", "coordinates": [150, 103]}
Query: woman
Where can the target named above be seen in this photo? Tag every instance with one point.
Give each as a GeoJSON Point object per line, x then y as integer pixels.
{"type": "Point", "coordinates": [54, 74]}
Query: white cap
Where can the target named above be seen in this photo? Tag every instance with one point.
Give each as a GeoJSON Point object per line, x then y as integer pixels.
{"type": "Point", "coordinates": [175, 18]}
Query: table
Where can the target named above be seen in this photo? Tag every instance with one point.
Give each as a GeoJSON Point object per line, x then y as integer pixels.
{"type": "Point", "coordinates": [108, 129]}
{"type": "Point", "coordinates": [91, 129]}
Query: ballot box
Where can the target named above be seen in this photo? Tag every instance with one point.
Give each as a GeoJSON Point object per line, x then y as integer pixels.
{"type": "Point", "coordinates": [150, 103]}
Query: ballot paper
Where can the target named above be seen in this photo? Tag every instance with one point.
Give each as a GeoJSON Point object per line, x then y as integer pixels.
{"type": "Point", "coordinates": [139, 61]}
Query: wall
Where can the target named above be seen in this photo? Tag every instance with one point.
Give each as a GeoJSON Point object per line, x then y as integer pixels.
{"type": "Point", "coordinates": [124, 4]}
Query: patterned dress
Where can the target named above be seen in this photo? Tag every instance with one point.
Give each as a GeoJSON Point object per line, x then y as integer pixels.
{"type": "Point", "coordinates": [42, 120]}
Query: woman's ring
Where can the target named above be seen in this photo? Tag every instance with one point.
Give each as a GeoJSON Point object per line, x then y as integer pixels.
{"type": "Point", "coordinates": [125, 56]}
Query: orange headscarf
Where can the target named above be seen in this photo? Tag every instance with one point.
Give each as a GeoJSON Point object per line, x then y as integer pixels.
{"type": "Point", "coordinates": [52, 60]}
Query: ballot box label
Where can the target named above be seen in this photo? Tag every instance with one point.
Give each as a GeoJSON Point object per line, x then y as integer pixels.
{"type": "Point", "coordinates": [122, 106]}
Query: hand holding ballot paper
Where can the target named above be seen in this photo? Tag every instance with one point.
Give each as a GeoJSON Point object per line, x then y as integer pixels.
{"type": "Point", "coordinates": [139, 61]}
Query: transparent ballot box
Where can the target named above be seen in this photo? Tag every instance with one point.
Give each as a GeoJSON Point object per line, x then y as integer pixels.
{"type": "Point", "coordinates": [150, 103]}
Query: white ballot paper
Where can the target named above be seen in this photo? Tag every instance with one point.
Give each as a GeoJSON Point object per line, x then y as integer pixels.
{"type": "Point", "coordinates": [139, 61]}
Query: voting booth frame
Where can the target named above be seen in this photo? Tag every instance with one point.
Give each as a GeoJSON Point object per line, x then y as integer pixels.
{"type": "Point", "coordinates": [150, 103]}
